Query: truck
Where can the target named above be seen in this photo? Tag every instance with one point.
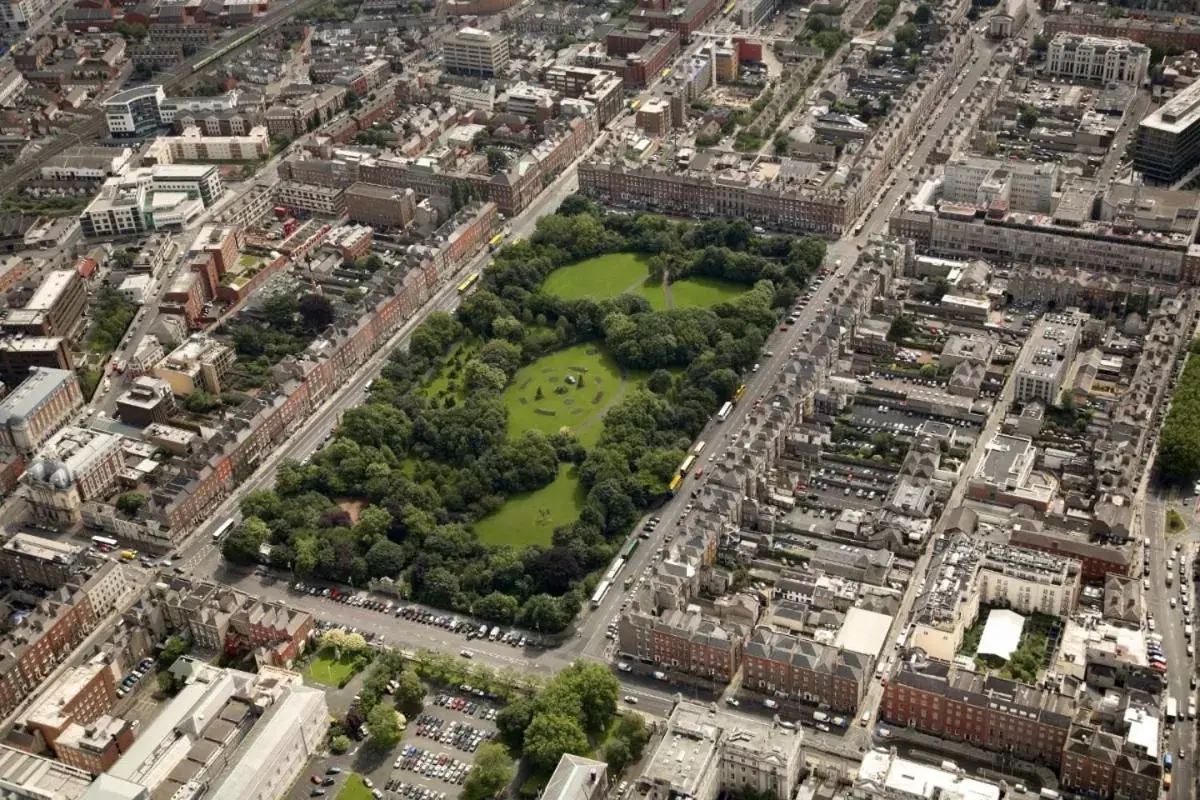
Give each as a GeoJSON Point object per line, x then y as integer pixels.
{"type": "Point", "coordinates": [820, 716]}
{"type": "Point", "coordinates": [1172, 710]}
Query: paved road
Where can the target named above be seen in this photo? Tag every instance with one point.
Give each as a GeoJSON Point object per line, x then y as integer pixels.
{"type": "Point", "coordinates": [1179, 740]}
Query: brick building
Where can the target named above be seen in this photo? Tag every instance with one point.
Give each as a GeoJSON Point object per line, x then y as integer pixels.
{"type": "Point", "coordinates": [80, 695]}
{"type": "Point", "coordinates": [29, 560]}
{"type": "Point", "coordinates": [380, 206]}
{"type": "Point", "coordinates": [683, 641]}
{"type": "Point", "coordinates": [38, 407]}
{"type": "Point", "coordinates": [806, 670]}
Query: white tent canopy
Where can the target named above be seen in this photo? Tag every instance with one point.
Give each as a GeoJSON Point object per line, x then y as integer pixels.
{"type": "Point", "coordinates": [1001, 634]}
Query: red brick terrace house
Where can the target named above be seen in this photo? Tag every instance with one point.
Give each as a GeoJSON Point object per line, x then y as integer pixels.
{"type": "Point", "coordinates": [275, 633]}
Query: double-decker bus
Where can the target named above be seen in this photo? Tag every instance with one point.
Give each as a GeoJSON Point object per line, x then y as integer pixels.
{"type": "Point", "coordinates": [465, 286]}
{"type": "Point", "coordinates": [600, 593]}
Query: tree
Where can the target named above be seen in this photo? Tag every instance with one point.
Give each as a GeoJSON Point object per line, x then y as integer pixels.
{"type": "Point", "coordinates": [316, 312]}
{"type": "Point", "coordinates": [334, 639]}
{"type": "Point", "coordinates": [384, 726]}
{"type": "Point", "coordinates": [497, 159]}
{"type": "Point", "coordinates": [131, 502]}
{"type": "Point", "coordinates": [549, 736]}
{"type": "Point", "coordinates": [513, 720]}
{"type": "Point", "coordinates": [122, 260]}
{"type": "Point", "coordinates": [597, 690]}
{"type": "Point", "coordinates": [355, 644]}
{"type": "Point", "coordinates": [902, 328]}
{"type": "Point", "coordinates": [491, 772]}
{"type": "Point", "coordinates": [410, 693]}
{"type": "Point", "coordinates": [167, 683]}
{"type": "Point", "coordinates": [1029, 116]}
{"type": "Point", "coordinates": [201, 401]}
{"type": "Point", "coordinates": [172, 650]}
{"type": "Point", "coordinates": [386, 559]}
{"type": "Point", "coordinates": [923, 15]}
{"type": "Point", "coordinates": [243, 545]}
{"type": "Point", "coordinates": [339, 744]}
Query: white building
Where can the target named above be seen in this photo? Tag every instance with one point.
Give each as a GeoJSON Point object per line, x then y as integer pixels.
{"type": "Point", "coordinates": [1028, 581]}
{"type": "Point", "coordinates": [87, 164]}
{"type": "Point", "coordinates": [74, 465]}
{"type": "Point", "coordinates": [192, 748]}
{"type": "Point", "coordinates": [134, 112]}
{"type": "Point", "coordinates": [135, 288]}
{"type": "Point", "coordinates": [1097, 59]}
{"type": "Point", "coordinates": [887, 776]}
{"type": "Point", "coordinates": [1046, 358]}
{"type": "Point", "coordinates": [979, 181]}
{"type": "Point", "coordinates": [174, 106]}
{"type": "Point", "coordinates": [18, 15]}
{"type": "Point", "coordinates": [472, 51]}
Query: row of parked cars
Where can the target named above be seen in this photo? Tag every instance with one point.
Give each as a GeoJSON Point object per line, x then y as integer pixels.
{"type": "Point", "coordinates": [459, 735]}
{"type": "Point", "coordinates": [411, 792]}
{"type": "Point", "coordinates": [469, 707]}
{"type": "Point", "coordinates": [432, 765]}
{"type": "Point", "coordinates": [131, 680]}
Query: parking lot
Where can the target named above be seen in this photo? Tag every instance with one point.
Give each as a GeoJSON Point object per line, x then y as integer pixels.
{"type": "Point", "coordinates": [439, 746]}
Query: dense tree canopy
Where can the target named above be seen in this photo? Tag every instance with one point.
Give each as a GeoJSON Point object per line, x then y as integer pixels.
{"type": "Point", "coordinates": [422, 468]}
{"type": "Point", "coordinates": [1179, 446]}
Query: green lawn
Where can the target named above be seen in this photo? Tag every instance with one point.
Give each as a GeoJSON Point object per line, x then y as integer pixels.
{"type": "Point", "coordinates": [354, 789]}
{"type": "Point", "coordinates": [579, 406]}
{"type": "Point", "coordinates": [610, 275]}
{"type": "Point", "coordinates": [531, 518]}
{"type": "Point", "coordinates": [440, 384]}
{"type": "Point", "coordinates": [324, 669]}
{"type": "Point", "coordinates": [598, 278]}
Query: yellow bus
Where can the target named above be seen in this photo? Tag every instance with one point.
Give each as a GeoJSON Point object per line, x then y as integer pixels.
{"type": "Point", "coordinates": [741, 390]}
{"type": "Point", "coordinates": [729, 7]}
{"type": "Point", "coordinates": [496, 240]}
{"type": "Point", "coordinates": [468, 283]}
{"type": "Point", "coordinates": [634, 105]}
{"type": "Point", "coordinates": [666, 73]}
{"type": "Point", "coordinates": [675, 483]}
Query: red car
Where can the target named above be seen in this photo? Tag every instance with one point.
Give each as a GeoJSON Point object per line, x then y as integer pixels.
{"type": "Point", "coordinates": [783, 328]}
{"type": "Point", "coordinates": [316, 778]}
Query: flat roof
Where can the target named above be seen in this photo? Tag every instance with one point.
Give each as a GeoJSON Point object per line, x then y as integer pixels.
{"type": "Point", "coordinates": [1177, 114]}
{"type": "Point", "coordinates": [1004, 453]}
{"type": "Point", "coordinates": [32, 392]}
{"type": "Point", "coordinates": [916, 779]}
{"type": "Point", "coordinates": [50, 289]}
{"type": "Point", "coordinates": [864, 632]}
{"type": "Point", "coordinates": [33, 776]}
{"type": "Point", "coordinates": [1001, 633]}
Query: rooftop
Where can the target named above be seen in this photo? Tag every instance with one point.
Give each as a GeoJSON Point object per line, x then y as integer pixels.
{"type": "Point", "coordinates": [32, 392]}
{"type": "Point", "coordinates": [883, 772]}
{"type": "Point", "coordinates": [1178, 114]}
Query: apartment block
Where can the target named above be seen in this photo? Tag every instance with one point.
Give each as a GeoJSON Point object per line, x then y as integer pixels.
{"type": "Point", "coordinates": [29, 560]}
{"type": "Point", "coordinates": [802, 669]}
{"type": "Point", "coordinates": [37, 408]}
{"type": "Point", "coordinates": [1097, 559]}
{"type": "Point", "coordinates": [325, 200]}
{"type": "Point", "coordinates": [195, 145]}
{"type": "Point", "coordinates": [1047, 357]}
{"type": "Point", "coordinates": [1028, 581]}
{"type": "Point", "coordinates": [1095, 59]}
{"type": "Point", "coordinates": [683, 640]}
{"type": "Point", "coordinates": [1100, 763]}
{"type": "Point", "coordinates": [601, 87]}
{"type": "Point", "coordinates": [950, 602]}
{"type": "Point", "coordinates": [987, 711]}
{"type": "Point", "coordinates": [1026, 186]}
{"type": "Point", "coordinates": [223, 242]}
{"type": "Point", "coordinates": [471, 51]}
{"type": "Point", "coordinates": [18, 355]}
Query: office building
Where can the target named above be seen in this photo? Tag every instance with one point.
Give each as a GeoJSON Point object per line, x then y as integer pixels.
{"type": "Point", "coordinates": [96, 746]}
{"type": "Point", "coordinates": [328, 201]}
{"type": "Point", "coordinates": [200, 363]}
{"type": "Point", "coordinates": [54, 309]}
{"type": "Point", "coordinates": [706, 752]}
{"type": "Point", "coordinates": [242, 736]}
{"type": "Point", "coordinates": [577, 778]}
{"type": "Point", "coordinates": [18, 355]}
{"type": "Point", "coordinates": [134, 112]}
{"type": "Point", "coordinates": [75, 465]}
{"type": "Point", "coordinates": [976, 181]}
{"type": "Point", "coordinates": [802, 669]}
{"type": "Point", "coordinates": [1168, 139]}
{"type": "Point", "coordinates": [147, 401]}
{"type": "Point", "coordinates": [29, 560]}
{"type": "Point", "coordinates": [380, 206]}
{"type": "Point", "coordinates": [601, 87]}
{"type": "Point", "coordinates": [84, 163]}
{"type": "Point", "coordinates": [24, 776]}
{"type": "Point", "coordinates": [1094, 59]}
{"type": "Point", "coordinates": [80, 695]}
{"type": "Point", "coordinates": [885, 775]}
{"type": "Point", "coordinates": [1028, 581]}
{"type": "Point", "coordinates": [471, 51]}
{"type": "Point", "coordinates": [988, 711]}
{"type": "Point", "coordinates": [682, 640]}
{"type": "Point", "coordinates": [38, 407]}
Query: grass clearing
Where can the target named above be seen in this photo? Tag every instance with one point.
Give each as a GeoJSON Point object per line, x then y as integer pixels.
{"type": "Point", "coordinates": [570, 388]}
{"type": "Point", "coordinates": [598, 278]}
{"type": "Point", "coordinates": [354, 789]}
{"type": "Point", "coordinates": [327, 670]}
{"type": "Point", "coordinates": [531, 518]}
{"type": "Point", "coordinates": [703, 292]}
{"type": "Point", "coordinates": [451, 371]}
